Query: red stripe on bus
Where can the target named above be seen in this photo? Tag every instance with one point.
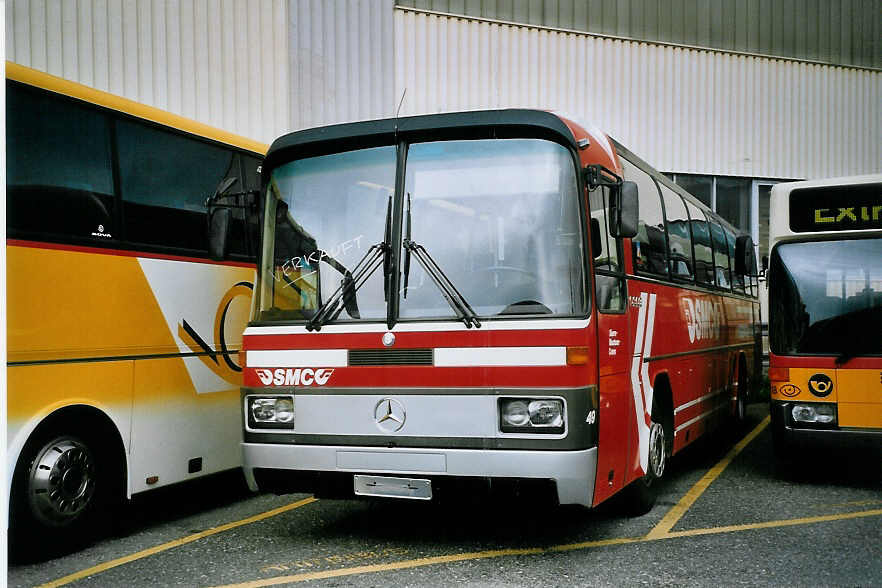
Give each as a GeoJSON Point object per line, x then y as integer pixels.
{"type": "Point", "coordinates": [121, 252]}
{"type": "Point", "coordinates": [823, 362]}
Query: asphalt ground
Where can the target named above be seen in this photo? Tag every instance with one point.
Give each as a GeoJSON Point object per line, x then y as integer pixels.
{"type": "Point", "coordinates": [727, 515]}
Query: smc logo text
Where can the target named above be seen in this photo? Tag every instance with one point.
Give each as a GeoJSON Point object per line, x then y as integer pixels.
{"type": "Point", "coordinates": [295, 377]}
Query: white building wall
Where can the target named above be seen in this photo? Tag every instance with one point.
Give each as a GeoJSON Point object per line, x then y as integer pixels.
{"type": "Point", "coordinates": [221, 62]}
{"type": "Point", "coordinates": [683, 110]}
{"type": "Point", "coordinates": [262, 68]}
{"type": "Point", "coordinates": [341, 61]}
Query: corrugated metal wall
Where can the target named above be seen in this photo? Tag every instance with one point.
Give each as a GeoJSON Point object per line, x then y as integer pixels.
{"type": "Point", "coordinates": [262, 68]}
{"type": "Point", "coordinates": [221, 62]}
{"type": "Point", "coordinates": [683, 110]}
{"type": "Point", "coordinates": [256, 68]}
{"type": "Point", "coordinates": [843, 32]}
{"type": "Point", "coordinates": [341, 61]}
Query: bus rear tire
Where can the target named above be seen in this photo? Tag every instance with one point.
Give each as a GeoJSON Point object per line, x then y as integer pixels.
{"type": "Point", "coordinates": [61, 492]}
{"type": "Point", "coordinates": [741, 396]}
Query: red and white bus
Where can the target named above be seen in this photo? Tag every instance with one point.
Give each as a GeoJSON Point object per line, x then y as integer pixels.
{"type": "Point", "coordinates": [498, 297]}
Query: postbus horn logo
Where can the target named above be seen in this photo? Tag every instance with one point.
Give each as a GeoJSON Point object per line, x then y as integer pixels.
{"type": "Point", "coordinates": [821, 385]}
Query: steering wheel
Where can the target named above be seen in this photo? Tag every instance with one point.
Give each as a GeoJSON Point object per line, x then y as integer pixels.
{"type": "Point", "coordinates": [526, 307]}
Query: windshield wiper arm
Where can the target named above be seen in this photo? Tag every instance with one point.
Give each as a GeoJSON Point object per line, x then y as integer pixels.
{"type": "Point", "coordinates": [457, 301]}
{"type": "Point", "coordinates": [407, 251]}
{"type": "Point", "coordinates": [844, 358]}
{"type": "Point", "coordinates": [849, 354]}
{"type": "Point", "coordinates": [349, 285]}
{"type": "Point", "coordinates": [375, 256]}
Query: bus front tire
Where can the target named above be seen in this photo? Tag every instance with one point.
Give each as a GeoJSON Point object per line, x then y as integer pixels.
{"type": "Point", "coordinates": [60, 494]}
{"type": "Point", "coordinates": [641, 494]}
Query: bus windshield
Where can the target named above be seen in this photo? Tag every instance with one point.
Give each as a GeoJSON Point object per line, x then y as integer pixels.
{"type": "Point", "coordinates": [498, 219]}
{"type": "Point", "coordinates": [827, 298]}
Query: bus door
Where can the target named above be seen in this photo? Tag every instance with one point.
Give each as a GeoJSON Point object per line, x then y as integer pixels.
{"type": "Point", "coordinates": [613, 359]}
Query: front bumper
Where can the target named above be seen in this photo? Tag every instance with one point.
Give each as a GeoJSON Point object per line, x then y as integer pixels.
{"type": "Point", "coordinates": [792, 435]}
{"type": "Point", "coordinates": [572, 472]}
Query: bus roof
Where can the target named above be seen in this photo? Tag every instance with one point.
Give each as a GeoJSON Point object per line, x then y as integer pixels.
{"type": "Point", "coordinates": [846, 206]}
{"type": "Point", "coordinates": [39, 79]}
{"type": "Point", "coordinates": [373, 133]}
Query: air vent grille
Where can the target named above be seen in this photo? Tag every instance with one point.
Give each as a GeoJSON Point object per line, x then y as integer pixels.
{"type": "Point", "coordinates": [364, 357]}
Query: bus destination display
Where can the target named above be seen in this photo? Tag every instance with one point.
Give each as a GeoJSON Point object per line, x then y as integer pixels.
{"type": "Point", "coordinates": [836, 208]}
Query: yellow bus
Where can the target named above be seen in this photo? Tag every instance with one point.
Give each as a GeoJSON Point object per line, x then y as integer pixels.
{"type": "Point", "coordinates": [825, 314]}
{"type": "Point", "coordinates": [123, 333]}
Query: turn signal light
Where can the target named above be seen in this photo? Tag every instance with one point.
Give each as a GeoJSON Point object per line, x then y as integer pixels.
{"type": "Point", "coordinates": [577, 355]}
{"type": "Point", "coordinates": [779, 374]}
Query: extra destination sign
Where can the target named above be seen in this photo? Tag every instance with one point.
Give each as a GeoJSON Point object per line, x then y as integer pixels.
{"type": "Point", "coordinates": [836, 208]}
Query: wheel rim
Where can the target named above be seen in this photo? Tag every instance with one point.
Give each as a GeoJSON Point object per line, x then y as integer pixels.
{"type": "Point", "coordinates": [61, 483]}
{"type": "Point", "coordinates": [740, 404]}
{"type": "Point", "coordinates": [656, 450]}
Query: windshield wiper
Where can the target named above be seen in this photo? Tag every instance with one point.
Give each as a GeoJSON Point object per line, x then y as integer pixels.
{"type": "Point", "coordinates": [457, 301]}
{"type": "Point", "coordinates": [375, 256]}
{"type": "Point", "coordinates": [845, 357]}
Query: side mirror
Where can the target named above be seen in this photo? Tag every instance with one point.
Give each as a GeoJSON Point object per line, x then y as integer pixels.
{"type": "Point", "coordinates": [218, 231]}
{"type": "Point", "coordinates": [596, 243]}
{"type": "Point", "coordinates": [623, 209]}
{"type": "Point", "coordinates": [219, 221]}
{"type": "Point", "coordinates": [745, 260]}
{"type": "Point", "coordinates": [224, 186]}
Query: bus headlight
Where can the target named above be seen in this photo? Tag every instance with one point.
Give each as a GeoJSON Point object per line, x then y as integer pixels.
{"type": "Point", "coordinates": [515, 413]}
{"type": "Point", "coordinates": [270, 412]}
{"type": "Point", "coordinates": [546, 413]}
{"type": "Point", "coordinates": [531, 415]}
{"type": "Point", "coordinates": [814, 413]}
{"type": "Point", "coordinates": [285, 410]}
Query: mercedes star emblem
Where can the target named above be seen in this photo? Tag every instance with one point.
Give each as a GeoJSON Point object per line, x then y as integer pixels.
{"type": "Point", "coordinates": [389, 415]}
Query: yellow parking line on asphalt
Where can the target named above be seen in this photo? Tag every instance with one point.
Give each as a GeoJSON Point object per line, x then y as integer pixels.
{"type": "Point", "coordinates": [775, 524]}
{"type": "Point", "coordinates": [678, 510]}
{"type": "Point", "coordinates": [176, 543]}
{"type": "Point", "coordinates": [490, 554]}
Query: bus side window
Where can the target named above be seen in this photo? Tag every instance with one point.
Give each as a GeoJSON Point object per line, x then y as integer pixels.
{"type": "Point", "coordinates": [649, 247]}
{"type": "Point", "coordinates": [721, 254]}
{"type": "Point", "coordinates": [701, 243]}
{"type": "Point", "coordinates": [608, 273]}
{"type": "Point", "coordinates": [59, 177]}
{"type": "Point", "coordinates": [737, 279]}
{"type": "Point", "coordinates": [679, 237]}
{"type": "Point", "coordinates": [165, 178]}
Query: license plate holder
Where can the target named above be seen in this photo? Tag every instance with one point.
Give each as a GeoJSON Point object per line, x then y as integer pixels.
{"type": "Point", "coordinates": [385, 486]}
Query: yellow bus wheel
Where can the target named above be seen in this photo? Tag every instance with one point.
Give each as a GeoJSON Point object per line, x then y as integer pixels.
{"type": "Point", "coordinates": [61, 481]}
{"type": "Point", "coordinates": [58, 487]}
